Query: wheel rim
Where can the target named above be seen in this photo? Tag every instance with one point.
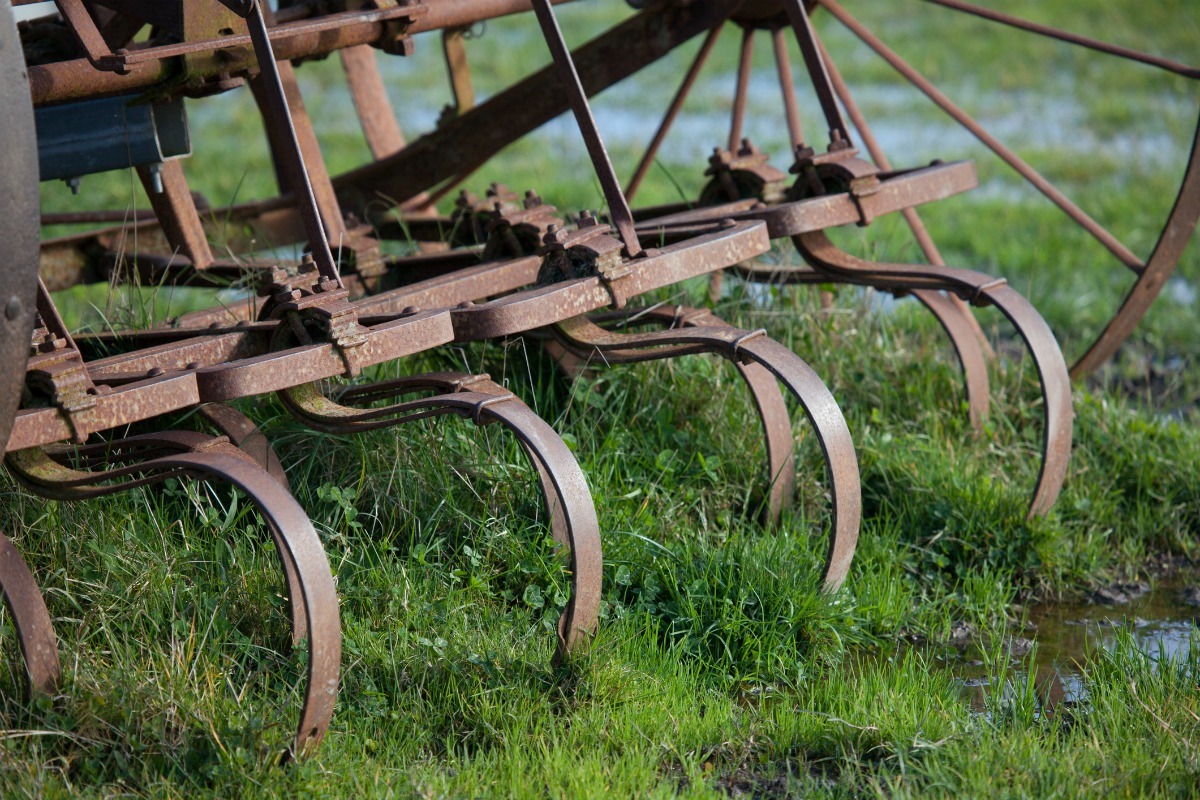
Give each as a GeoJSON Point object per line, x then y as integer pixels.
{"type": "Point", "coordinates": [19, 224]}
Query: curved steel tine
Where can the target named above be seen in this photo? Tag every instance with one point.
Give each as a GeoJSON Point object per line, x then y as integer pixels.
{"type": "Point", "coordinates": [768, 402]}
{"type": "Point", "coordinates": [314, 599]}
{"type": "Point", "coordinates": [981, 289]}
{"type": "Point", "coordinates": [246, 436]}
{"type": "Point", "coordinates": [836, 445]}
{"type": "Point", "coordinates": [1059, 413]}
{"type": "Point", "coordinates": [35, 631]}
{"type": "Point", "coordinates": [580, 529]}
{"type": "Point", "coordinates": [959, 326]}
{"type": "Point", "coordinates": [560, 523]}
{"type": "Point", "coordinates": [297, 540]}
{"type": "Point", "coordinates": [777, 431]}
{"type": "Point", "coordinates": [808, 388]}
{"type": "Point", "coordinates": [572, 512]}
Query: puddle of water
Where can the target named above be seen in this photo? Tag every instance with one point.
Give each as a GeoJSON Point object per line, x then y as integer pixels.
{"type": "Point", "coordinates": [1160, 624]}
{"type": "Point", "coordinates": [1159, 621]}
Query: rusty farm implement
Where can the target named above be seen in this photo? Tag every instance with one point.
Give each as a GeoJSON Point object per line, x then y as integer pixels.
{"type": "Point", "coordinates": [98, 85]}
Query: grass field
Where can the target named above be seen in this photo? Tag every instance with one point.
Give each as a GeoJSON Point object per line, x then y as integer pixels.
{"type": "Point", "coordinates": [719, 669]}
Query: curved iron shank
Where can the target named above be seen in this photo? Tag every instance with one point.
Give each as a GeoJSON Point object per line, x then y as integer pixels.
{"type": "Point", "coordinates": [764, 390]}
{"type": "Point", "coordinates": [476, 397]}
{"type": "Point", "coordinates": [898, 191]}
{"type": "Point", "coordinates": [245, 436]}
{"type": "Point", "coordinates": [155, 457]}
{"type": "Point", "coordinates": [979, 289]}
{"type": "Point", "coordinates": [805, 221]}
{"type": "Point", "coordinates": [35, 631]}
{"type": "Point", "coordinates": [583, 337]}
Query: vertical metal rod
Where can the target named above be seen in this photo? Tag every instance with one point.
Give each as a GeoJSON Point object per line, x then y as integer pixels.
{"type": "Point", "coordinates": [745, 64]}
{"type": "Point", "coordinates": [685, 88]}
{"type": "Point", "coordinates": [618, 206]}
{"type": "Point", "coordinates": [784, 66]}
{"type": "Point", "coordinates": [291, 159]}
{"type": "Point", "coordinates": [806, 37]}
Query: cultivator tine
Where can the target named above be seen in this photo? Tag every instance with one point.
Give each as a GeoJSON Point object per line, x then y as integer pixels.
{"type": "Point", "coordinates": [245, 436]}
{"type": "Point", "coordinates": [476, 397]}
{"type": "Point", "coordinates": [173, 454]}
{"type": "Point", "coordinates": [572, 506]}
{"type": "Point", "coordinates": [31, 619]}
{"type": "Point", "coordinates": [913, 219]}
{"type": "Point", "coordinates": [959, 325]}
{"type": "Point", "coordinates": [586, 338]}
{"type": "Point", "coordinates": [979, 289]}
{"type": "Point", "coordinates": [764, 390]}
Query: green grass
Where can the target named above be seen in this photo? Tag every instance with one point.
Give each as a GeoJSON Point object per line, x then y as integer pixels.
{"type": "Point", "coordinates": [719, 669]}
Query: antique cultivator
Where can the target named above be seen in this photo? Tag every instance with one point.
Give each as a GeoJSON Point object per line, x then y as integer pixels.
{"type": "Point", "coordinates": [337, 312]}
{"type": "Point", "coordinates": [100, 85]}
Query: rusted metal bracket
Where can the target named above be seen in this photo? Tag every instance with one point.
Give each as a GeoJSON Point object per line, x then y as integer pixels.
{"type": "Point", "coordinates": [508, 225]}
{"type": "Point", "coordinates": [56, 371]}
{"type": "Point", "coordinates": [318, 306]}
{"type": "Point", "coordinates": [588, 251]}
{"type": "Point", "coordinates": [741, 175]}
{"type": "Point", "coordinates": [835, 171]}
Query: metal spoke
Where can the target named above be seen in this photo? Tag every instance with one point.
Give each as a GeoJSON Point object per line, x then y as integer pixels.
{"type": "Point", "coordinates": [1031, 175]}
{"type": "Point", "coordinates": [685, 88]}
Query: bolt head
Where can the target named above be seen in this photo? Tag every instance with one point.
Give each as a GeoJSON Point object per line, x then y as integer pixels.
{"type": "Point", "coordinates": [12, 309]}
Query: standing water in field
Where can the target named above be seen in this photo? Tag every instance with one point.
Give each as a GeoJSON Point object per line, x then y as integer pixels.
{"type": "Point", "coordinates": [1160, 622]}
